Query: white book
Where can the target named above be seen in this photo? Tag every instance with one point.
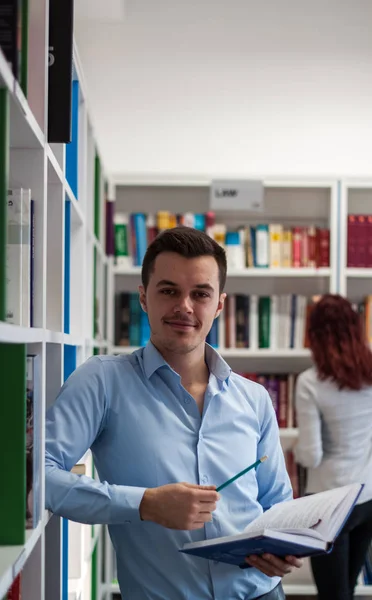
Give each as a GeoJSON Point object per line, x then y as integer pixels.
{"type": "Point", "coordinates": [253, 322]}
{"type": "Point", "coordinates": [301, 527]}
{"type": "Point", "coordinates": [300, 322]}
{"type": "Point", "coordinates": [19, 257]}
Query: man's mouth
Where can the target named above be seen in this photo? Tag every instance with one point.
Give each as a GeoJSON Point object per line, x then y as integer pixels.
{"type": "Point", "coordinates": [180, 325]}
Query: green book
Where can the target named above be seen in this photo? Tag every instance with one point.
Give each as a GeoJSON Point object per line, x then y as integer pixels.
{"type": "Point", "coordinates": [264, 309]}
{"type": "Point", "coordinates": [13, 444]}
{"type": "Point", "coordinates": [4, 173]}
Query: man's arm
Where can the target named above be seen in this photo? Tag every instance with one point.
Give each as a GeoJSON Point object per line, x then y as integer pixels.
{"type": "Point", "coordinates": [72, 424]}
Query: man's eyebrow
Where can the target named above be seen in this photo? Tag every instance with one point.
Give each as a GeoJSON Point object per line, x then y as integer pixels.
{"type": "Point", "coordinates": [198, 286]}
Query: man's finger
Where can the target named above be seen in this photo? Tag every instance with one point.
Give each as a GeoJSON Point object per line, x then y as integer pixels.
{"type": "Point", "coordinates": [210, 506]}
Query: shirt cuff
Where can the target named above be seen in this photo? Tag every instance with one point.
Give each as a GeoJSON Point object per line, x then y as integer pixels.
{"type": "Point", "coordinates": [125, 505]}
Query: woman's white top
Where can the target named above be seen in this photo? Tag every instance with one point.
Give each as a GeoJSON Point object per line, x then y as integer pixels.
{"type": "Point", "coordinates": [335, 434]}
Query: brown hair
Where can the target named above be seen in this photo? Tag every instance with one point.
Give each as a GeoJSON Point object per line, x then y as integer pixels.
{"type": "Point", "coordinates": [338, 344]}
{"type": "Point", "coordinates": [187, 242]}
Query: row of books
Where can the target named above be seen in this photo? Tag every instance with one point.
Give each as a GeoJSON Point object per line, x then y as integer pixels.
{"type": "Point", "coordinates": [131, 322]}
{"type": "Point", "coordinates": [20, 254]}
{"type": "Point", "coordinates": [281, 391]}
{"type": "Point", "coordinates": [359, 241]}
{"type": "Point", "coordinates": [249, 246]}
{"type": "Point", "coordinates": [262, 322]}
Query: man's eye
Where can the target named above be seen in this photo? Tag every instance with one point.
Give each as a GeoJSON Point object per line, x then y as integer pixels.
{"type": "Point", "coordinates": [202, 295]}
{"type": "Point", "coordinates": [167, 292]}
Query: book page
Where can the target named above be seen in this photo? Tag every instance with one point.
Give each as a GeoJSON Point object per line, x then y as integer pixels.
{"type": "Point", "coordinates": [302, 513]}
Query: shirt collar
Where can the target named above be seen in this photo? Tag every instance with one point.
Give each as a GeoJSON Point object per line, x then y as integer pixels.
{"type": "Point", "coordinates": [153, 360]}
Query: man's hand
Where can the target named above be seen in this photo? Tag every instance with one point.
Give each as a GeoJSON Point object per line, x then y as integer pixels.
{"type": "Point", "coordinates": [273, 566]}
{"type": "Point", "coordinates": [179, 505]}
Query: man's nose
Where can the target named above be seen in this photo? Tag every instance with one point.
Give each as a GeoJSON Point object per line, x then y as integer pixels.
{"type": "Point", "coordinates": [184, 305]}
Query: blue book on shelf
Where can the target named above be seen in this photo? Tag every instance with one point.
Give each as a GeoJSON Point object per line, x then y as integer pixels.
{"type": "Point", "coordinates": [140, 232]}
{"type": "Point", "coordinates": [298, 527]}
{"type": "Point", "coordinates": [69, 361]}
{"type": "Point", "coordinates": [135, 320]}
{"type": "Point", "coordinates": [144, 329]}
{"type": "Point", "coordinates": [66, 328]}
{"type": "Point", "coordinates": [72, 148]}
{"type": "Point", "coordinates": [212, 337]}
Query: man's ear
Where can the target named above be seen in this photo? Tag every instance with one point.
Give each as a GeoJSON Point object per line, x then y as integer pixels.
{"type": "Point", "coordinates": [142, 298]}
{"type": "Point", "coordinates": [220, 306]}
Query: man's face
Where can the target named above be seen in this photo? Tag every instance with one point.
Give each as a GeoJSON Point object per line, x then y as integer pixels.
{"type": "Point", "coordinates": [182, 299]}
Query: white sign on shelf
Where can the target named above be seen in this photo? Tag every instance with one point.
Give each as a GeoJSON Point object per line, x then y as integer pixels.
{"type": "Point", "coordinates": [243, 194]}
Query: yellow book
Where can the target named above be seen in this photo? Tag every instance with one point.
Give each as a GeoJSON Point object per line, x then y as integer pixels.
{"type": "Point", "coordinates": [276, 242]}
{"type": "Point", "coordinates": [287, 249]}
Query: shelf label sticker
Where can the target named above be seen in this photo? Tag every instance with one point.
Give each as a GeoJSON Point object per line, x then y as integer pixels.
{"type": "Point", "coordinates": [234, 194]}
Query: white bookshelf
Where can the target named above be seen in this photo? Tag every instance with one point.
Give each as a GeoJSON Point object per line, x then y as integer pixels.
{"type": "Point", "coordinates": [35, 164]}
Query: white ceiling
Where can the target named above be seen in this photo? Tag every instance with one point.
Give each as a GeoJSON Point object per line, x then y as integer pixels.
{"type": "Point", "coordinates": [203, 87]}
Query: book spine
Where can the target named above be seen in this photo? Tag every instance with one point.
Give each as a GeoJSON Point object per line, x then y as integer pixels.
{"type": "Point", "coordinates": [32, 264]}
{"type": "Point", "coordinates": [110, 231]}
{"type": "Point", "coordinates": [4, 174]}
{"type": "Point", "coordinates": [369, 241]}
{"type": "Point", "coordinates": [221, 329]}
{"type": "Point", "coordinates": [264, 303]}
{"type": "Point", "coordinates": [262, 246]}
{"type": "Point", "coordinates": [72, 158]}
{"type": "Point", "coordinates": [304, 247]}
{"type": "Point", "coordinates": [352, 240]}
{"type": "Point", "coordinates": [287, 249]}
{"type": "Point", "coordinates": [253, 322]}
{"type": "Point", "coordinates": [311, 233]}
{"type": "Point", "coordinates": [283, 401]}
{"type": "Point", "coordinates": [323, 240]}
{"type": "Point", "coordinates": [241, 321]}
{"type": "Point", "coordinates": [10, 18]}
{"type": "Point", "coordinates": [14, 289]}
{"type": "Point", "coordinates": [232, 322]}
{"type": "Point", "coordinates": [26, 257]}
{"type": "Point", "coordinates": [140, 233]}
{"type": "Point", "coordinates": [276, 243]}
{"type": "Point", "coordinates": [121, 240]}
{"type": "Point", "coordinates": [296, 247]}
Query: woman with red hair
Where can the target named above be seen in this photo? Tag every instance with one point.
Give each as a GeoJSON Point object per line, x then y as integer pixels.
{"type": "Point", "coordinates": [334, 415]}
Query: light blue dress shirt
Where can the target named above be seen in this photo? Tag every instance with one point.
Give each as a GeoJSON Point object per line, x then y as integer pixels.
{"type": "Point", "coordinates": [145, 430]}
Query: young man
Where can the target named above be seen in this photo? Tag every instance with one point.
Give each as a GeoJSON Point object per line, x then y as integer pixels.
{"type": "Point", "coordinates": [166, 425]}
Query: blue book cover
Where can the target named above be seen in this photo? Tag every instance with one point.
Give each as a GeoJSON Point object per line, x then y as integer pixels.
{"type": "Point", "coordinates": [66, 324]}
{"type": "Point", "coordinates": [144, 328]}
{"type": "Point", "coordinates": [212, 337]}
{"type": "Point", "coordinates": [135, 320]}
{"type": "Point", "coordinates": [301, 527]}
{"type": "Point", "coordinates": [140, 232]}
{"type": "Point", "coordinates": [72, 148]}
{"type": "Point", "coordinates": [69, 361]}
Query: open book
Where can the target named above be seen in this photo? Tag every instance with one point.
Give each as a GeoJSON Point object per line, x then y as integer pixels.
{"type": "Point", "coordinates": [300, 527]}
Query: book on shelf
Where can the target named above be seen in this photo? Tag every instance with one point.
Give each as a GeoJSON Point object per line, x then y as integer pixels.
{"type": "Point", "coordinates": [15, 590]}
{"type": "Point", "coordinates": [14, 37]}
{"type": "Point", "coordinates": [131, 323]}
{"type": "Point", "coordinates": [20, 257]}
{"type": "Point", "coordinates": [265, 245]}
{"type": "Point", "coordinates": [301, 527]}
{"type": "Point", "coordinates": [359, 241]}
{"type": "Point", "coordinates": [60, 63]}
{"type": "Point", "coordinates": [33, 448]}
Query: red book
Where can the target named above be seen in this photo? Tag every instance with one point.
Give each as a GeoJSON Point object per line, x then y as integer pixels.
{"type": "Point", "coordinates": [361, 245]}
{"type": "Point", "coordinates": [323, 243]}
{"type": "Point", "coordinates": [14, 592]}
{"type": "Point", "coordinates": [283, 400]}
{"type": "Point", "coordinates": [352, 240]}
{"type": "Point", "coordinates": [311, 232]}
{"type": "Point", "coordinates": [296, 247]}
{"type": "Point", "coordinates": [304, 247]}
{"type": "Point", "coordinates": [369, 241]}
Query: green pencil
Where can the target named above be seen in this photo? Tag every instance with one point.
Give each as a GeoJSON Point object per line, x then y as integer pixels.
{"type": "Point", "coordinates": [258, 462]}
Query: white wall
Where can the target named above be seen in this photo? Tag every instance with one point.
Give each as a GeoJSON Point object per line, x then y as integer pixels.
{"type": "Point", "coordinates": [200, 88]}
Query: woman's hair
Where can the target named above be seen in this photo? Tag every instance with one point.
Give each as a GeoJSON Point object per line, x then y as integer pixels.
{"type": "Point", "coordinates": [338, 344]}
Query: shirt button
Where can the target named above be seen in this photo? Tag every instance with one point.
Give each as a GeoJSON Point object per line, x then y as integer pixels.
{"type": "Point", "coordinates": [187, 400]}
{"type": "Point", "coordinates": [204, 479]}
